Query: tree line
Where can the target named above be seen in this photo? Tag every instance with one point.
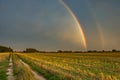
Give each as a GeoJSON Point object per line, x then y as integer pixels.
{"type": "Point", "coordinates": [5, 49]}
{"type": "Point", "coordinates": [33, 50]}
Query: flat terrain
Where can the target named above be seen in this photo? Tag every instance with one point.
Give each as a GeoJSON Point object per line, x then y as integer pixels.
{"type": "Point", "coordinates": [63, 66]}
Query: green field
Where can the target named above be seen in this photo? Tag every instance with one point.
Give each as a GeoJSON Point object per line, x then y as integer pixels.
{"type": "Point", "coordinates": [65, 66]}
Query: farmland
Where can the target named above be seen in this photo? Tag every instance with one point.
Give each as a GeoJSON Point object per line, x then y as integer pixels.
{"type": "Point", "coordinates": [64, 66]}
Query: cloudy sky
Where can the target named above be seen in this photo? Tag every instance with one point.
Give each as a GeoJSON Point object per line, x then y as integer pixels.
{"type": "Point", "coordinates": [48, 25]}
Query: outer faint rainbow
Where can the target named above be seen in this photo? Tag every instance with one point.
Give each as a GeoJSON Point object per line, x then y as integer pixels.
{"type": "Point", "coordinates": [98, 25]}
{"type": "Point", "coordinates": [77, 22]}
{"type": "Point", "coordinates": [100, 34]}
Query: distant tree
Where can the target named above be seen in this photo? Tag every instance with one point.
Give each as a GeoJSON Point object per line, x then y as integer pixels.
{"type": "Point", "coordinates": [78, 52]}
{"type": "Point", "coordinates": [103, 50]}
{"type": "Point", "coordinates": [92, 51]}
{"type": "Point", "coordinates": [95, 51]}
{"type": "Point", "coordinates": [114, 50]}
{"type": "Point", "coordinates": [59, 51]}
{"type": "Point", "coordinates": [67, 51]}
{"type": "Point", "coordinates": [42, 51]}
{"type": "Point", "coordinates": [30, 50]}
{"type": "Point", "coordinates": [89, 51]}
{"type": "Point", "coordinates": [5, 49]}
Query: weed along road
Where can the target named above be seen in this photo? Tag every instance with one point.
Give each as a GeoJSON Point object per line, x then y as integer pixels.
{"type": "Point", "coordinates": [38, 77]}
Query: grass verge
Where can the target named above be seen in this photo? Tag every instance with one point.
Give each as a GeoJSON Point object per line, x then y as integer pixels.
{"type": "Point", "coordinates": [21, 72]}
{"type": "Point", "coordinates": [3, 68]}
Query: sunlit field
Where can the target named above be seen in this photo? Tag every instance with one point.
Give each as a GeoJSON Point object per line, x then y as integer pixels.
{"type": "Point", "coordinates": [75, 66]}
{"type": "Point", "coordinates": [62, 66]}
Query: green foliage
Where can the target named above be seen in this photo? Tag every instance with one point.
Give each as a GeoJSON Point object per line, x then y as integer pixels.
{"type": "Point", "coordinates": [30, 50]}
{"type": "Point", "coordinates": [21, 72]}
{"type": "Point", "coordinates": [3, 68]}
{"type": "Point", "coordinates": [5, 49]}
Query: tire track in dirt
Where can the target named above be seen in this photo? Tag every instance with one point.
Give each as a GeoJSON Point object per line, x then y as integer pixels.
{"type": "Point", "coordinates": [36, 75]}
{"type": "Point", "coordinates": [10, 70]}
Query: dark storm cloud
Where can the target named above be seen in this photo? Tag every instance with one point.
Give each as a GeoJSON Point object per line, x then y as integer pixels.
{"type": "Point", "coordinates": [41, 24]}
{"type": "Point", "coordinates": [47, 25]}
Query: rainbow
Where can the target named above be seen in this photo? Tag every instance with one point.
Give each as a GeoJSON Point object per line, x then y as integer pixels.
{"type": "Point", "coordinates": [100, 33]}
{"type": "Point", "coordinates": [98, 25]}
{"type": "Point", "coordinates": [77, 22]}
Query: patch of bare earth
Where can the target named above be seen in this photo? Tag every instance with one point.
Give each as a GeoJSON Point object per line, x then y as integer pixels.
{"type": "Point", "coordinates": [10, 71]}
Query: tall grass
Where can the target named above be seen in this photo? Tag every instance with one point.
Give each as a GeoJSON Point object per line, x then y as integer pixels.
{"type": "Point", "coordinates": [4, 60]}
{"type": "Point", "coordinates": [21, 71]}
{"type": "Point", "coordinates": [92, 66]}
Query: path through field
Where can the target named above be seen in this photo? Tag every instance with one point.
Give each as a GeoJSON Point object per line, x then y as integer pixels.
{"type": "Point", "coordinates": [10, 70]}
{"type": "Point", "coordinates": [37, 76]}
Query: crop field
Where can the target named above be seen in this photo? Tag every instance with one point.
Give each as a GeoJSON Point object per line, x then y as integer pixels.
{"type": "Point", "coordinates": [62, 66]}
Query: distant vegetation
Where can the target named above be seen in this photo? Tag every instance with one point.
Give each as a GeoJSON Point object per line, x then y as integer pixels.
{"type": "Point", "coordinates": [30, 50]}
{"type": "Point", "coordinates": [89, 51]}
{"type": "Point", "coordinates": [33, 50]}
{"type": "Point", "coordinates": [5, 49]}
